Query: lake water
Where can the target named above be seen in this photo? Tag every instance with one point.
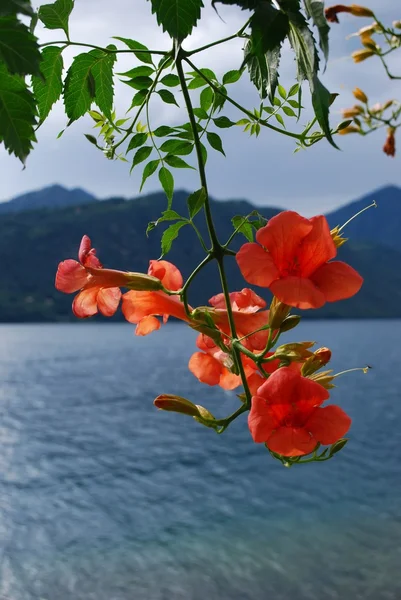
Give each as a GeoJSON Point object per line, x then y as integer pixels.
{"type": "Point", "coordinates": [102, 497]}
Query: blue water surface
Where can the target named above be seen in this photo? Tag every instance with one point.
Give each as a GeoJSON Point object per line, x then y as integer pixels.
{"type": "Point", "coordinates": [102, 497]}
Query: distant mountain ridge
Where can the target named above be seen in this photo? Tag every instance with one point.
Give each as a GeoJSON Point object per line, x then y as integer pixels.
{"type": "Point", "coordinates": [33, 241]}
{"type": "Point", "coordinates": [54, 196]}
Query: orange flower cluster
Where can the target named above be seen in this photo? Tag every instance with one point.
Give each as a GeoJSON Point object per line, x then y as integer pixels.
{"type": "Point", "coordinates": [293, 257]}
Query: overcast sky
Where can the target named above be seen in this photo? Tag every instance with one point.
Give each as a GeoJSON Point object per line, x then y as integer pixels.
{"type": "Point", "coordinates": [263, 170]}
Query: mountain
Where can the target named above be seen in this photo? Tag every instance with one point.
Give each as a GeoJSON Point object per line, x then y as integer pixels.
{"type": "Point", "coordinates": [32, 243]}
{"type": "Point", "coordinates": [381, 225]}
{"type": "Point", "coordinates": [54, 196]}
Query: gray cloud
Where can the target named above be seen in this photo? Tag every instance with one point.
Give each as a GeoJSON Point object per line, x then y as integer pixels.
{"type": "Point", "coordinates": [263, 170]}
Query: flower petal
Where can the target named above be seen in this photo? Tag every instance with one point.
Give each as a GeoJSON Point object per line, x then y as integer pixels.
{"type": "Point", "coordinates": [87, 255]}
{"type": "Point", "coordinates": [287, 385]}
{"type": "Point", "coordinates": [256, 265]}
{"type": "Point", "coordinates": [317, 247]}
{"type": "Point", "coordinates": [298, 292]}
{"type": "Point", "coordinates": [245, 301]}
{"type": "Point", "coordinates": [261, 422]}
{"type": "Point", "coordinates": [85, 303]}
{"type": "Point", "coordinates": [206, 368]}
{"type": "Point", "coordinates": [137, 305]}
{"type": "Point", "coordinates": [291, 441]}
{"type": "Point", "coordinates": [228, 380]}
{"type": "Point", "coordinates": [282, 236]}
{"type": "Point", "coordinates": [147, 325]}
{"type": "Point", "coordinates": [70, 276]}
{"type": "Point", "coordinates": [337, 281]}
{"type": "Point", "coordinates": [328, 424]}
{"type": "Point", "coordinates": [108, 300]}
{"type": "Point", "coordinates": [168, 274]}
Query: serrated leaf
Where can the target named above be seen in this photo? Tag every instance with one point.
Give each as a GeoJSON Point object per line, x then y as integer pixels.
{"type": "Point", "coordinates": [56, 15]}
{"type": "Point", "coordinates": [17, 115]}
{"type": "Point", "coordinates": [143, 56]}
{"type": "Point", "coordinates": [141, 71]}
{"type": "Point", "coordinates": [149, 169]}
{"type": "Point", "coordinates": [13, 7]}
{"type": "Point", "coordinates": [178, 147]}
{"type": "Point", "coordinates": [169, 235]}
{"type": "Point", "coordinates": [141, 155]}
{"type": "Point", "coordinates": [231, 77]}
{"type": "Point", "coordinates": [206, 98]}
{"type": "Point", "coordinates": [102, 72]}
{"type": "Point", "coordinates": [177, 17]}
{"type": "Point", "coordinates": [170, 215]}
{"type": "Point", "coordinates": [243, 227]}
{"type": "Point", "coordinates": [176, 162]}
{"type": "Point", "coordinates": [170, 80]}
{"type": "Point", "coordinates": [315, 10]}
{"type": "Point", "coordinates": [196, 201]}
{"type": "Point", "coordinates": [215, 141]}
{"type": "Point", "coordinates": [263, 70]}
{"type": "Point", "coordinates": [137, 140]}
{"type": "Point", "coordinates": [167, 182]}
{"type": "Point", "coordinates": [223, 122]}
{"type": "Point", "coordinates": [48, 88]}
{"type": "Point", "coordinates": [167, 97]}
{"type": "Point", "coordinates": [18, 48]}
{"type": "Point", "coordinates": [77, 88]}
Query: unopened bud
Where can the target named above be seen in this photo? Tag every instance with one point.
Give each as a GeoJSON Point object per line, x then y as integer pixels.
{"type": "Point", "coordinates": [277, 313]}
{"type": "Point", "coordinates": [361, 55]}
{"type": "Point", "coordinates": [177, 404]}
{"type": "Point", "coordinates": [348, 129]}
{"type": "Point", "coordinates": [352, 112]}
{"type": "Point", "coordinates": [360, 95]}
{"type": "Point", "coordinates": [389, 146]}
{"type": "Point", "coordinates": [397, 24]}
{"type": "Point", "coordinates": [337, 446]}
{"type": "Point", "coordinates": [319, 359]}
{"type": "Point", "coordinates": [296, 351]}
{"type": "Point", "coordinates": [387, 104]}
{"type": "Point", "coordinates": [289, 323]}
{"type": "Point", "coordinates": [361, 11]}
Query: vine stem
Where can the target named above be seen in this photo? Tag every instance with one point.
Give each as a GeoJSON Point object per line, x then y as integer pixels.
{"type": "Point", "coordinates": [107, 50]}
{"type": "Point", "coordinates": [221, 41]}
{"type": "Point", "coordinates": [217, 251]}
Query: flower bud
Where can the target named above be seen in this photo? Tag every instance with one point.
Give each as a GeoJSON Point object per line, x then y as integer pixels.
{"type": "Point", "coordinates": [289, 323]}
{"type": "Point", "coordinates": [347, 130]}
{"type": "Point", "coordinates": [361, 11]}
{"type": "Point", "coordinates": [355, 10]}
{"type": "Point", "coordinates": [352, 112]}
{"type": "Point", "coordinates": [318, 359]}
{"type": "Point", "coordinates": [387, 104]}
{"type": "Point", "coordinates": [360, 95]}
{"type": "Point", "coordinates": [361, 55]}
{"type": "Point", "coordinates": [337, 446]}
{"type": "Point", "coordinates": [397, 24]}
{"type": "Point", "coordinates": [177, 404]}
{"type": "Point", "coordinates": [296, 351]}
{"type": "Point", "coordinates": [278, 312]}
{"type": "Point", "coordinates": [389, 146]}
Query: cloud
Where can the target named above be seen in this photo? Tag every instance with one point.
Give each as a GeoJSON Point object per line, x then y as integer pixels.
{"type": "Point", "coordinates": [263, 170]}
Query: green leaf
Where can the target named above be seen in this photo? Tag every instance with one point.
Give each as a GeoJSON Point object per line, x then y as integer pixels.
{"type": "Point", "coordinates": [48, 88]}
{"type": "Point", "coordinates": [206, 98]}
{"type": "Point", "coordinates": [200, 113]}
{"type": "Point", "coordinates": [170, 235]}
{"type": "Point", "coordinates": [163, 131]}
{"type": "Point", "coordinates": [13, 7]}
{"type": "Point", "coordinates": [17, 115]}
{"type": "Point", "coordinates": [170, 215]}
{"type": "Point", "coordinates": [280, 119]}
{"type": "Point", "coordinates": [56, 16]}
{"type": "Point", "coordinates": [196, 201]}
{"type": "Point", "coordinates": [177, 17]}
{"type": "Point", "coordinates": [150, 168]}
{"type": "Point", "coordinates": [241, 223]}
{"type": "Point", "coordinates": [141, 155]}
{"type": "Point", "coordinates": [321, 100]}
{"type": "Point", "coordinates": [288, 111]}
{"type": "Point", "coordinates": [143, 56]}
{"type": "Point", "coordinates": [178, 147]}
{"type": "Point", "coordinates": [223, 122]}
{"type": "Point", "coordinates": [139, 139]}
{"type": "Point", "coordinates": [282, 91]}
{"type": "Point", "coordinates": [18, 48]}
{"type": "Point", "coordinates": [215, 141]}
{"type": "Point", "coordinates": [220, 99]}
{"type": "Point", "coordinates": [139, 83]}
{"type": "Point", "coordinates": [139, 98]}
{"type": "Point", "coordinates": [142, 71]}
{"type": "Point", "coordinates": [91, 139]}
{"type": "Point", "coordinates": [231, 77]}
{"type": "Point", "coordinates": [176, 162]}
{"type": "Point", "coordinates": [293, 90]}
{"type": "Point", "coordinates": [167, 182]}
{"type": "Point", "coordinates": [263, 70]}
{"type": "Point", "coordinates": [204, 153]}
{"type": "Point", "coordinates": [315, 10]}
{"type": "Point", "coordinates": [293, 103]}
{"type": "Point", "coordinates": [102, 72]}
{"type": "Point", "coordinates": [167, 97]}
{"type": "Point", "coordinates": [196, 83]}
{"type": "Point", "coordinates": [170, 80]}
